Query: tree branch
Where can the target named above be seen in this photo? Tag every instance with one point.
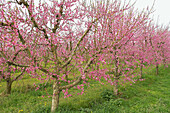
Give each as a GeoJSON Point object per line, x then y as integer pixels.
{"type": "Point", "coordinates": [84, 71]}
{"type": "Point", "coordinates": [77, 45]}
{"type": "Point", "coordinates": [56, 26]}
{"type": "Point", "coordinates": [79, 78]}
{"type": "Point", "coordinates": [14, 64]}
{"type": "Point", "coordinates": [19, 75]}
{"type": "Point", "coordinates": [35, 24]}
{"type": "Point", "coordinates": [11, 25]}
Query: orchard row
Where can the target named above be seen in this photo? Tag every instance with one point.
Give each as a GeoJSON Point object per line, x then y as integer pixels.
{"type": "Point", "coordinates": [70, 41]}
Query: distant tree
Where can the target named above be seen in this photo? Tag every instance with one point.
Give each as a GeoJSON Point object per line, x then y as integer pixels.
{"type": "Point", "coordinates": [13, 55]}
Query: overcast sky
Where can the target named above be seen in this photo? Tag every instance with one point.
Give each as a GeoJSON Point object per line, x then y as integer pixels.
{"type": "Point", "coordinates": [162, 9]}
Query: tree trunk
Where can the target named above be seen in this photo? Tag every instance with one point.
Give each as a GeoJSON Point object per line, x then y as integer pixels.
{"type": "Point", "coordinates": [66, 77]}
{"type": "Point", "coordinates": [164, 63]}
{"type": "Point", "coordinates": [45, 62]}
{"type": "Point", "coordinates": [66, 73]}
{"type": "Point", "coordinates": [141, 71]}
{"type": "Point", "coordinates": [9, 86]}
{"type": "Point", "coordinates": [35, 64]}
{"type": "Point", "coordinates": [116, 73]}
{"type": "Point", "coordinates": [115, 89]}
{"type": "Point", "coordinates": [157, 66]}
{"type": "Point", "coordinates": [55, 98]}
{"type": "Point", "coordinates": [9, 81]}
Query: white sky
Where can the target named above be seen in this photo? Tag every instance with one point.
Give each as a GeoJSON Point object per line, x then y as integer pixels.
{"type": "Point", "coordinates": [161, 7]}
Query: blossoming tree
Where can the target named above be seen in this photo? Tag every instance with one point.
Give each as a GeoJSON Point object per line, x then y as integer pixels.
{"type": "Point", "coordinates": [62, 40]}
{"type": "Point", "coordinates": [58, 33]}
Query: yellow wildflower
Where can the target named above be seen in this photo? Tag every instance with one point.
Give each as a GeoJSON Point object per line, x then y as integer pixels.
{"type": "Point", "coordinates": [20, 110]}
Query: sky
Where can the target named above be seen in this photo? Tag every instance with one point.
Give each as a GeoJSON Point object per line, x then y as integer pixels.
{"type": "Point", "coordinates": [161, 7]}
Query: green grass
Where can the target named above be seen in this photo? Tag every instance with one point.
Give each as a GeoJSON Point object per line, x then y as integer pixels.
{"type": "Point", "coordinates": [149, 96]}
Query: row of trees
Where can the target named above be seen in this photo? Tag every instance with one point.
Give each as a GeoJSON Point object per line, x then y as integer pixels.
{"type": "Point", "coordinates": [57, 40]}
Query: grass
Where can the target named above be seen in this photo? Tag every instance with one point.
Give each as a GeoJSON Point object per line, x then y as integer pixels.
{"type": "Point", "coordinates": [149, 96]}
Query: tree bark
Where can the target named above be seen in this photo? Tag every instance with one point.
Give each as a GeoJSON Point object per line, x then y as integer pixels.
{"type": "Point", "coordinates": [9, 86]}
{"type": "Point", "coordinates": [9, 81]}
{"type": "Point", "coordinates": [141, 71]}
{"type": "Point", "coordinates": [116, 73]}
{"type": "Point", "coordinates": [66, 73]}
{"type": "Point", "coordinates": [115, 89]}
{"type": "Point", "coordinates": [164, 62]}
{"type": "Point", "coordinates": [157, 71]}
{"type": "Point", "coordinates": [55, 97]}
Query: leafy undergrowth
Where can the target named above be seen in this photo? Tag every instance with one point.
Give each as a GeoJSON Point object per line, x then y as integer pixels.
{"type": "Point", "coordinates": [149, 96]}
